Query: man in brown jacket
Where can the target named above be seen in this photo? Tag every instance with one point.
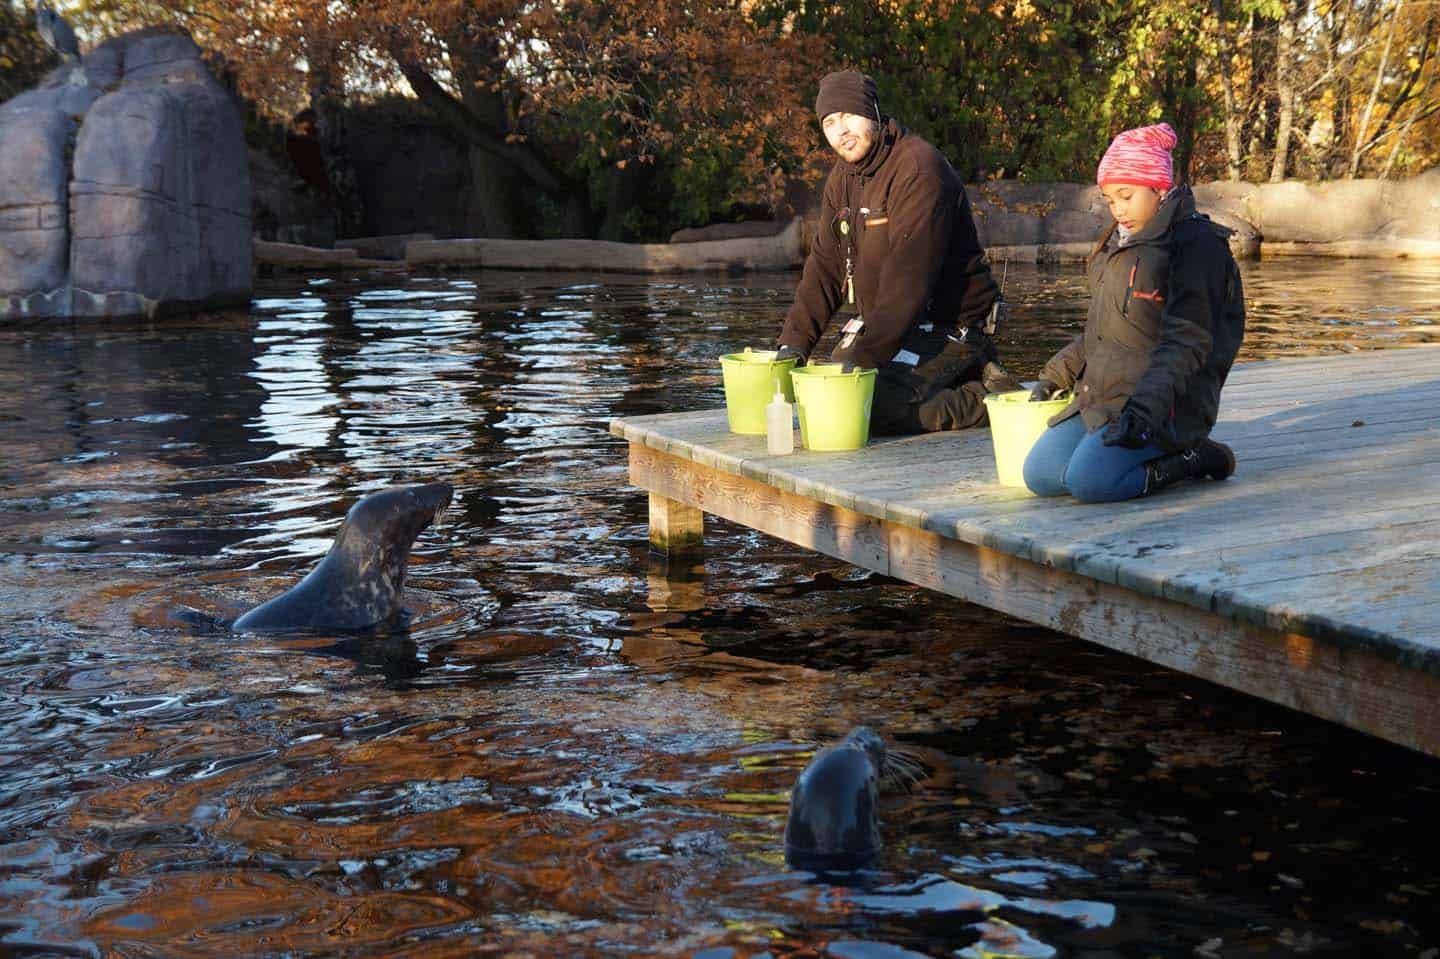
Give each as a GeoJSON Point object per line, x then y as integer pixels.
{"type": "Point", "coordinates": [897, 245]}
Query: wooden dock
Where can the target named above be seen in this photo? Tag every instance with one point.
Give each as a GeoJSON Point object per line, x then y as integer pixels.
{"type": "Point", "coordinates": [1308, 579]}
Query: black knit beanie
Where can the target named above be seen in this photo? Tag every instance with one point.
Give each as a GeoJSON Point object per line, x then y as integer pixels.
{"type": "Point", "coordinates": [847, 91]}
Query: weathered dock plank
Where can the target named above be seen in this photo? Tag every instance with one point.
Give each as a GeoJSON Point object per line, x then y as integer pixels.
{"type": "Point", "coordinates": [1310, 578]}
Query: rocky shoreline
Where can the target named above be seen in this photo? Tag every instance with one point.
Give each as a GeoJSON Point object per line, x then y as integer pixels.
{"type": "Point", "coordinates": [1342, 218]}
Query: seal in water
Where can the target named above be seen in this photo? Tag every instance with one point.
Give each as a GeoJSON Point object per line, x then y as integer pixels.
{"type": "Point", "coordinates": [359, 582]}
{"type": "Point", "coordinates": [834, 821]}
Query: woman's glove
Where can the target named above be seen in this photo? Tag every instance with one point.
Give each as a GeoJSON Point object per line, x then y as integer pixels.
{"type": "Point", "coordinates": [1132, 430]}
{"type": "Point", "coordinates": [790, 353]}
{"type": "Point", "coordinates": [1042, 391]}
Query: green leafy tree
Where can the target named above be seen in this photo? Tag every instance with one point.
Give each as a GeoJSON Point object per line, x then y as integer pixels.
{"type": "Point", "coordinates": [1005, 89]}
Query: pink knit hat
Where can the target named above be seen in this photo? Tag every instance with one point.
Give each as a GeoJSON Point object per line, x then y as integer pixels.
{"type": "Point", "coordinates": [1140, 157]}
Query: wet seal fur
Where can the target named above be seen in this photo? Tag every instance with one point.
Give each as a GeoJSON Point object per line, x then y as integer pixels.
{"type": "Point", "coordinates": [834, 821]}
{"type": "Point", "coordinates": [359, 583]}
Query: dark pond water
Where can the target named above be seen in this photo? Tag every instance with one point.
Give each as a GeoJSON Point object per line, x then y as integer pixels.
{"type": "Point", "coordinates": [570, 753]}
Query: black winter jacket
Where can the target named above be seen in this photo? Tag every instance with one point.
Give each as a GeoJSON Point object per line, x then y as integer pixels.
{"type": "Point", "coordinates": [1167, 314]}
{"type": "Point", "coordinates": [911, 244]}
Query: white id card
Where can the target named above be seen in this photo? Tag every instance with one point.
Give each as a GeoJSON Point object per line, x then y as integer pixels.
{"type": "Point", "coordinates": [906, 357]}
{"type": "Point", "coordinates": [854, 326]}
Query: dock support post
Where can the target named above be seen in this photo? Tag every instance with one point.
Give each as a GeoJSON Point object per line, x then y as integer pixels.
{"type": "Point", "coordinates": [676, 528]}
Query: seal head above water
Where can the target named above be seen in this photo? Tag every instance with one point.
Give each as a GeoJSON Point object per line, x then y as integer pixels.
{"type": "Point", "coordinates": [834, 821]}
{"type": "Point", "coordinates": [358, 584]}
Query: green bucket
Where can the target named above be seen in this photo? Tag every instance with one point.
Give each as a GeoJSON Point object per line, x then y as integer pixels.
{"type": "Point", "coordinates": [834, 406]}
{"type": "Point", "coordinates": [750, 385]}
{"type": "Point", "coordinates": [1015, 425]}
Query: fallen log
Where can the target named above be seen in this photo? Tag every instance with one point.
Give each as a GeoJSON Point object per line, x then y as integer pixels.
{"type": "Point", "coordinates": [292, 256]}
{"type": "Point", "coordinates": [729, 231]}
{"type": "Point", "coordinates": [780, 252]}
{"type": "Point", "coordinates": [1397, 248]}
{"type": "Point", "coordinates": [389, 247]}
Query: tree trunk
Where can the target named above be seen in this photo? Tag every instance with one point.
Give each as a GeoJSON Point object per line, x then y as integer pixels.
{"type": "Point", "coordinates": [327, 100]}
{"type": "Point", "coordinates": [1176, 93]}
{"type": "Point", "coordinates": [1227, 88]}
{"type": "Point", "coordinates": [1404, 94]}
{"type": "Point", "coordinates": [623, 190]}
{"type": "Point", "coordinates": [1259, 100]}
{"type": "Point", "coordinates": [495, 208]}
{"type": "Point", "coordinates": [1404, 131]}
{"type": "Point", "coordinates": [571, 197]}
{"type": "Point", "coordinates": [1285, 89]}
{"type": "Point", "coordinates": [1342, 20]}
{"type": "Point", "coordinates": [497, 188]}
{"type": "Point", "coordinates": [576, 217]}
{"type": "Point", "coordinates": [1358, 150]}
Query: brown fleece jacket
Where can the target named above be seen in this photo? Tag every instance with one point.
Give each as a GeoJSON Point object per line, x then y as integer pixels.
{"type": "Point", "coordinates": [912, 247]}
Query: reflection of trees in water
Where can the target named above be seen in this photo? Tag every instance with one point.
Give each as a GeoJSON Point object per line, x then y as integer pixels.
{"type": "Point", "coordinates": [110, 419]}
{"type": "Point", "coordinates": [136, 390]}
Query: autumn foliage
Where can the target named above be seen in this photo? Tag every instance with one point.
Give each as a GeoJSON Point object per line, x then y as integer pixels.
{"type": "Point", "coordinates": [569, 95]}
{"type": "Point", "coordinates": [631, 117]}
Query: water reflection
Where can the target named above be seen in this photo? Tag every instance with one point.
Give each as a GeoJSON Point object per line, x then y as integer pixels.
{"type": "Point", "coordinates": [574, 749]}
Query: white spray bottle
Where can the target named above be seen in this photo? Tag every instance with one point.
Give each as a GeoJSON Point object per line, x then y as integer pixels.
{"type": "Point", "coordinates": [779, 425]}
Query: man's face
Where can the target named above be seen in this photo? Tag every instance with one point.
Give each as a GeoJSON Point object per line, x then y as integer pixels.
{"type": "Point", "coordinates": [849, 135]}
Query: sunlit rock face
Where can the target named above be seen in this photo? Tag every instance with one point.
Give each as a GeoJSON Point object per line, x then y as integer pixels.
{"type": "Point", "coordinates": [1351, 217]}
{"type": "Point", "coordinates": [124, 187]}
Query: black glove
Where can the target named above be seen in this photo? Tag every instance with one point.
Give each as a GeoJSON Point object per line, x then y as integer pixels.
{"type": "Point", "coordinates": [1042, 391]}
{"type": "Point", "coordinates": [790, 353]}
{"type": "Point", "coordinates": [1132, 430]}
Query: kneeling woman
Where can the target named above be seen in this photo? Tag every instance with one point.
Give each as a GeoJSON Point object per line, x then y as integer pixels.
{"type": "Point", "coordinates": [1166, 317]}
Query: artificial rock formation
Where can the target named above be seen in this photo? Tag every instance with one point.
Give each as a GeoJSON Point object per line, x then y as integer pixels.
{"type": "Point", "coordinates": [124, 187]}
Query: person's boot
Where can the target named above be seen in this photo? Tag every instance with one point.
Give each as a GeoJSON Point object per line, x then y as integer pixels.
{"type": "Point", "coordinates": [1209, 458]}
{"type": "Point", "coordinates": [1217, 460]}
{"type": "Point", "coordinates": [996, 379]}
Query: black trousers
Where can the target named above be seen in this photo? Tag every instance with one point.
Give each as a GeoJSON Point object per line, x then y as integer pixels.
{"type": "Point", "coordinates": [941, 391]}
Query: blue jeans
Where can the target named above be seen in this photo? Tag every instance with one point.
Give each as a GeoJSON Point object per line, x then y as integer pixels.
{"type": "Point", "coordinates": [1066, 459]}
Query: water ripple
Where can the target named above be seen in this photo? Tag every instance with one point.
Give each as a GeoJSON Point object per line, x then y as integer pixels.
{"type": "Point", "coordinates": [571, 751]}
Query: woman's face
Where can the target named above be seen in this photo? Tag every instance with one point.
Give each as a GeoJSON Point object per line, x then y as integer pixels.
{"type": "Point", "coordinates": [1131, 206]}
{"type": "Point", "coordinates": [849, 135]}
